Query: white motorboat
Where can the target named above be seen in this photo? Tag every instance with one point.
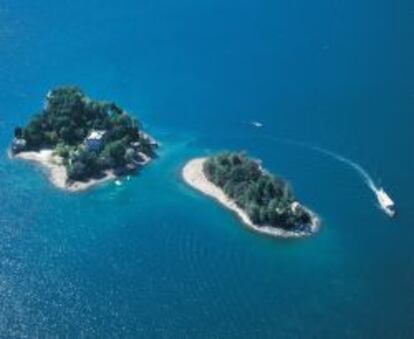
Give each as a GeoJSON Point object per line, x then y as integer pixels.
{"type": "Point", "coordinates": [386, 202]}
{"type": "Point", "coordinates": [257, 124]}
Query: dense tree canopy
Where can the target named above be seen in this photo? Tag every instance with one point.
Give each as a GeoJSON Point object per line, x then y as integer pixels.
{"type": "Point", "coordinates": [68, 118]}
{"type": "Point", "coordinates": [267, 200]}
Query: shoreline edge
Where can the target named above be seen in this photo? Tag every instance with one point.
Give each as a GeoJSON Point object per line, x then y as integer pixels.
{"type": "Point", "coordinates": [56, 171]}
{"type": "Point", "coordinates": [193, 175]}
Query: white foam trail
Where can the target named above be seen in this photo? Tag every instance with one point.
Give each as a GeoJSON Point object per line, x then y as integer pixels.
{"type": "Point", "coordinates": [358, 168]}
{"type": "Point", "coordinates": [383, 198]}
{"type": "Point", "coordinates": [362, 172]}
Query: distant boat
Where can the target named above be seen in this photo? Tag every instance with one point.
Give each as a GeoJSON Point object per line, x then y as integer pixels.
{"type": "Point", "coordinates": [257, 124]}
{"type": "Point", "coordinates": [386, 202]}
{"type": "Point", "coordinates": [118, 182]}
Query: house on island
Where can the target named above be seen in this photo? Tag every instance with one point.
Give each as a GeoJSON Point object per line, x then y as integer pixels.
{"type": "Point", "coordinates": [95, 141]}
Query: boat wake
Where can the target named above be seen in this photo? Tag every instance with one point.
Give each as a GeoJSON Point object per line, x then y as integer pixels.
{"type": "Point", "coordinates": [361, 171]}
{"type": "Point", "coordinates": [384, 200]}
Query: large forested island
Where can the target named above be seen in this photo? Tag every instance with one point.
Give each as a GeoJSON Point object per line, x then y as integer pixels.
{"type": "Point", "coordinates": [264, 202]}
{"type": "Point", "coordinates": [82, 141]}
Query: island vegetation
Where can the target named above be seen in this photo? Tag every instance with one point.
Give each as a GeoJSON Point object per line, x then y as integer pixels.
{"type": "Point", "coordinates": [89, 138]}
{"type": "Point", "coordinates": [263, 201]}
{"type": "Point", "coordinates": [268, 200]}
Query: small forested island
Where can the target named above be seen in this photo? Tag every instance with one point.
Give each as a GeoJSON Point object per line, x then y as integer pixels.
{"type": "Point", "coordinates": [82, 141]}
{"type": "Point", "coordinates": [264, 202]}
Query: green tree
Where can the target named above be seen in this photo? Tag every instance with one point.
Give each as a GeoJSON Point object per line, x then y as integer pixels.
{"type": "Point", "coordinates": [67, 119]}
{"type": "Point", "coordinates": [77, 171]}
{"type": "Point", "coordinates": [18, 132]}
{"type": "Point", "coordinates": [265, 198]}
{"type": "Point", "coordinates": [116, 151]}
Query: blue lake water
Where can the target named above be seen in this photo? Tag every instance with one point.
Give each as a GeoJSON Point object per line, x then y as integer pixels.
{"type": "Point", "coordinates": [153, 258]}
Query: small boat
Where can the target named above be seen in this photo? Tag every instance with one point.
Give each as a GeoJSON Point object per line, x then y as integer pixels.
{"type": "Point", "coordinates": [257, 124]}
{"type": "Point", "coordinates": [118, 182]}
{"type": "Point", "coordinates": [386, 202]}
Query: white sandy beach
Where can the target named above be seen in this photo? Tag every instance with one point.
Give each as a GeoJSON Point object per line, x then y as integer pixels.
{"type": "Point", "coordinates": [57, 172]}
{"type": "Point", "coordinates": [193, 175]}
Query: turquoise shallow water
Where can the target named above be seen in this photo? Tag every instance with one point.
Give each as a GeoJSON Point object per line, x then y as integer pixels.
{"type": "Point", "coordinates": [155, 259]}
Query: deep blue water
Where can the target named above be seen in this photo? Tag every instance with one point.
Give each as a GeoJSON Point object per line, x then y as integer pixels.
{"type": "Point", "coordinates": [153, 258]}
